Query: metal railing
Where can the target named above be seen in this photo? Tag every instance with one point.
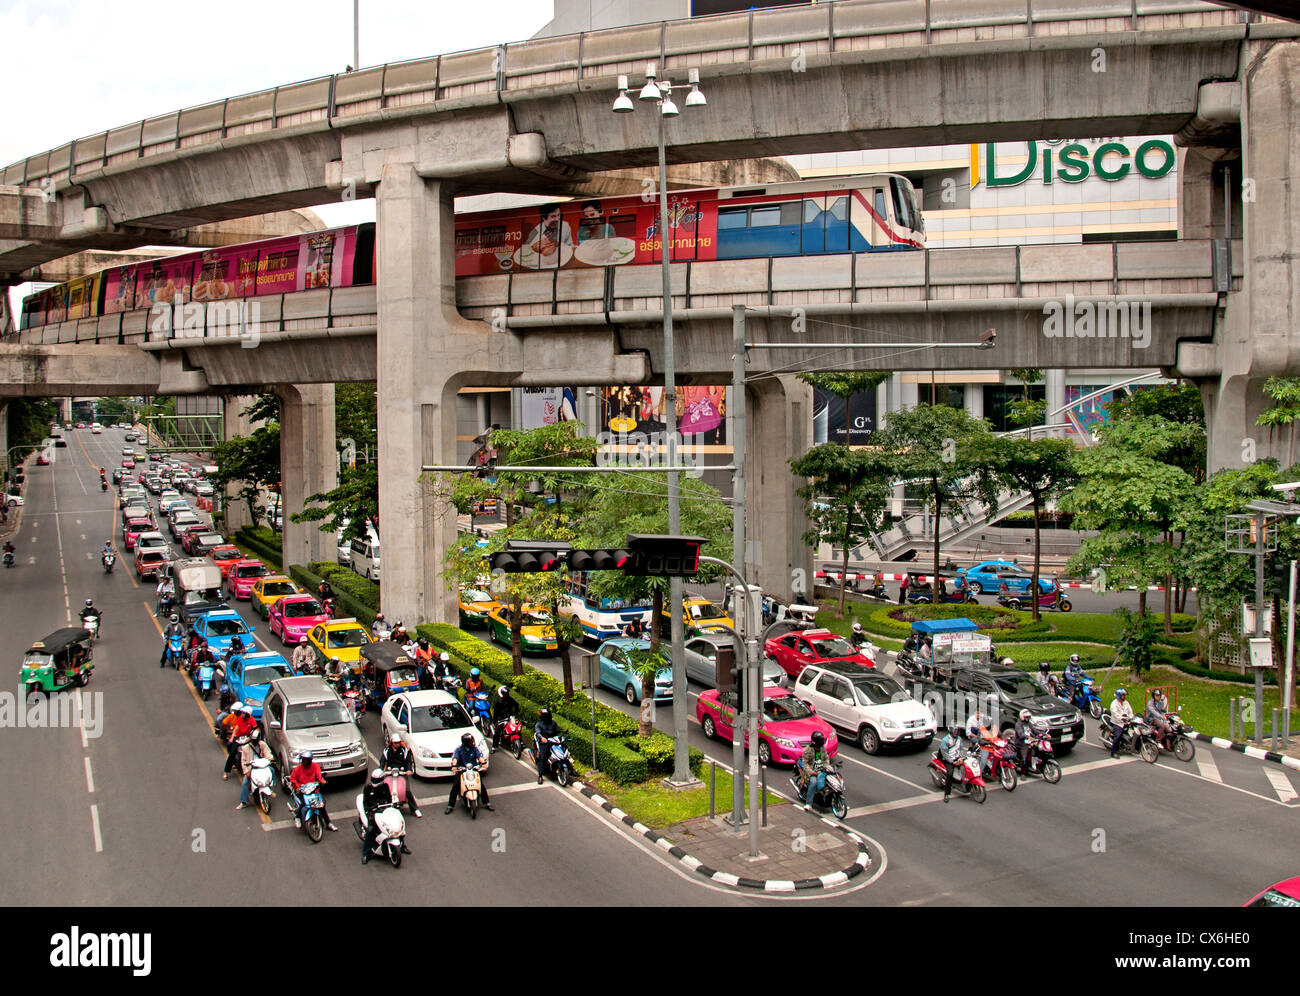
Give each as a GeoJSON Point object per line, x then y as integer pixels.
{"type": "Point", "coordinates": [509, 71]}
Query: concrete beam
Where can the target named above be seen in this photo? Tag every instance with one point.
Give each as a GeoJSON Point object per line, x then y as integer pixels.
{"type": "Point", "coordinates": [76, 370]}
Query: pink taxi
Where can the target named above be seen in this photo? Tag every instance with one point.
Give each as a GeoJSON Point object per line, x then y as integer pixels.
{"type": "Point", "coordinates": [293, 616]}
{"type": "Point", "coordinates": [783, 732]}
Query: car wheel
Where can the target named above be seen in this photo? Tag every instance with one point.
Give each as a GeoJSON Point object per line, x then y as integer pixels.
{"type": "Point", "coordinates": [629, 693]}
{"type": "Point", "coordinates": [764, 752]}
{"type": "Point", "coordinates": [975, 588]}
{"type": "Point", "coordinates": [869, 740]}
{"type": "Point", "coordinates": [710, 730]}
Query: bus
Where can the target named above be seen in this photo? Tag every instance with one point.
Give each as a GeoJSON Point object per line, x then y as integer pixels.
{"type": "Point", "coordinates": [602, 618]}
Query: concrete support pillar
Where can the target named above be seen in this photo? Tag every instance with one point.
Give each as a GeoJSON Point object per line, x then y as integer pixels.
{"type": "Point", "coordinates": [308, 465]}
{"type": "Point", "coordinates": [779, 420]}
{"type": "Point", "coordinates": [236, 424]}
{"type": "Point", "coordinates": [65, 410]}
{"type": "Point", "coordinates": [1054, 393]}
{"type": "Point", "coordinates": [426, 352]}
{"type": "Point", "coordinates": [973, 400]}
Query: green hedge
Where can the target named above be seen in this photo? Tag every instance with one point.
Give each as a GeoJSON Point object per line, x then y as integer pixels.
{"type": "Point", "coordinates": [347, 604]}
{"type": "Point", "coordinates": [262, 543]}
{"type": "Point", "coordinates": [620, 754]}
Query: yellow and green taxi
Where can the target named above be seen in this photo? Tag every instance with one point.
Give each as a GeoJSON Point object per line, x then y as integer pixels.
{"type": "Point", "coordinates": [699, 616]}
{"type": "Point", "coordinates": [475, 604]}
{"type": "Point", "coordinates": [536, 632]}
{"type": "Point", "coordinates": [269, 590]}
{"type": "Point", "coordinates": [341, 638]}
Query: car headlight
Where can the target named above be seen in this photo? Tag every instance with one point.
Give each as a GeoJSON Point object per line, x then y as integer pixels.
{"type": "Point", "coordinates": [784, 742]}
{"type": "Point", "coordinates": [357, 745]}
{"type": "Point", "coordinates": [427, 754]}
{"type": "Point", "coordinates": [888, 724]}
{"type": "Point", "coordinates": [1078, 717]}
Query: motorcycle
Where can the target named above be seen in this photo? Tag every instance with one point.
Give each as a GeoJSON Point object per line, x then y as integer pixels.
{"type": "Point", "coordinates": [91, 623]}
{"type": "Point", "coordinates": [1039, 759]}
{"type": "Point", "coordinates": [966, 777]}
{"type": "Point", "coordinates": [1054, 599]}
{"type": "Point", "coordinates": [559, 763]}
{"type": "Point", "coordinates": [1176, 740]}
{"type": "Point", "coordinates": [205, 675]}
{"type": "Point", "coordinates": [353, 698]}
{"type": "Point", "coordinates": [9, 558]}
{"type": "Point", "coordinates": [261, 777]}
{"type": "Point", "coordinates": [1138, 738]}
{"type": "Point", "coordinates": [175, 650]}
{"type": "Point", "coordinates": [999, 760]}
{"type": "Point", "coordinates": [480, 712]}
{"type": "Point", "coordinates": [329, 607]}
{"type": "Point", "coordinates": [103, 484]}
{"type": "Point", "coordinates": [1083, 696]}
{"type": "Point", "coordinates": [392, 831]}
{"type": "Point", "coordinates": [832, 794]}
{"type": "Point", "coordinates": [471, 785]}
{"type": "Point", "coordinates": [165, 604]}
{"type": "Point", "coordinates": [307, 805]}
{"type": "Point", "coordinates": [512, 735]}
{"type": "Point", "coordinates": [108, 560]}
{"type": "Point", "coordinates": [400, 788]}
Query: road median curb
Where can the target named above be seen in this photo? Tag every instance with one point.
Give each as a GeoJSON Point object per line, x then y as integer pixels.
{"type": "Point", "coordinates": [1259, 753]}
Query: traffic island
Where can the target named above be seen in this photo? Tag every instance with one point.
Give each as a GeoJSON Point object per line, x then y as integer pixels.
{"type": "Point", "coordinates": [800, 851]}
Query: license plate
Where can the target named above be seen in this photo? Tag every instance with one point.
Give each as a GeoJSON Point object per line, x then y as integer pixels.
{"type": "Point", "coordinates": [329, 765]}
{"type": "Point", "coordinates": [551, 646]}
{"type": "Point", "coordinates": [1067, 738]}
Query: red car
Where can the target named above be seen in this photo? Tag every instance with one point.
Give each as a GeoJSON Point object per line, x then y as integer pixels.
{"type": "Point", "coordinates": [1284, 893]}
{"type": "Point", "coordinates": [132, 530]}
{"type": "Point", "coordinates": [795, 651]}
{"type": "Point", "coordinates": [784, 731]}
{"type": "Point", "coordinates": [242, 575]}
{"type": "Point", "coordinates": [128, 463]}
{"type": "Point", "coordinates": [226, 557]}
{"type": "Point", "coordinates": [293, 616]}
{"type": "Point", "coordinates": [190, 533]}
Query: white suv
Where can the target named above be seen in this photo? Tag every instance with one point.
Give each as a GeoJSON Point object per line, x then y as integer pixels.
{"type": "Point", "coordinates": [872, 708]}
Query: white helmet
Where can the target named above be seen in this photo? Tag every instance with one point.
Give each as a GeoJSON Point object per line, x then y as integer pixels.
{"type": "Point", "coordinates": [857, 627]}
{"type": "Point", "coordinates": [444, 657]}
{"type": "Point", "coordinates": [1008, 662]}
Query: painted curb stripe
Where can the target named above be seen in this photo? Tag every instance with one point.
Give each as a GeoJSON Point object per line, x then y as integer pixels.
{"type": "Point", "coordinates": [830, 880]}
{"type": "Point", "coordinates": [1256, 752]}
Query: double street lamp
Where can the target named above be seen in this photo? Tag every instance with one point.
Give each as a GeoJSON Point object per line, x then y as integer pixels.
{"type": "Point", "coordinates": [660, 92]}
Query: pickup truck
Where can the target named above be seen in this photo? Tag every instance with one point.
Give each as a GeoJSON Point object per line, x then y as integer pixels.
{"type": "Point", "coordinates": [1000, 692]}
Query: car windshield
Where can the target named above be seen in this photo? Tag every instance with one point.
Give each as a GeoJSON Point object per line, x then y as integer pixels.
{"type": "Point", "coordinates": [279, 588]}
{"type": "Point", "coordinates": [340, 638]}
{"type": "Point", "coordinates": [536, 619]}
{"type": "Point", "coordinates": [304, 715]}
{"type": "Point", "coordinates": [473, 595]}
{"type": "Point", "coordinates": [226, 627]}
{"type": "Point", "coordinates": [153, 558]}
{"type": "Point", "coordinates": [264, 674]}
{"type": "Point", "coordinates": [403, 675]}
{"type": "Point", "coordinates": [431, 719]}
{"type": "Point", "coordinates": [878, 691]}
{"type": "Point", "coordinates": [226, 554]}
{"type": "Point", "coordinates": [1018, 687]}
{"type": "Point", "coordinates": [833, 647]}
{"type": "Point", "coordinates": [706, 610]}
{"type": "Point", "coordinates": [38, 660]}
{"type": "Point", "coordinates": [256, 571]}
{"type": "Point", "coordinates": [784, 708]}
{"type": "Point", "coordinates": [297, 610]}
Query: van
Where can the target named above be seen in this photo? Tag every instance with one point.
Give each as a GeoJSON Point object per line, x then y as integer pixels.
{"type": "Point", "coordinates": [365, 557]}
{"type": "Point", "coordinates": [198, 586]}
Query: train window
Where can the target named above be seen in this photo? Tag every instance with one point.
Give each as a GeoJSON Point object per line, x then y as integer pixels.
{"type": "Point", "coordinates": [902, 203]}
{"type": "Point", "coordinates": [881, 209]}
{"type": "Point", "coordinates": [839, 208]}
{"type": "Point", "coordinates": [792, 212]}
{"type": "Point", "coordinates": [732, 217]}
{"type": "Point", "coordinates": [811, 211]}
{"type": "Point", "coordinates": [769, 214]}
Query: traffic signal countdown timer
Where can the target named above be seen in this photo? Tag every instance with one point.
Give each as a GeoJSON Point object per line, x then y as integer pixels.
{"type": "Point", "coordinates": [645, 555]}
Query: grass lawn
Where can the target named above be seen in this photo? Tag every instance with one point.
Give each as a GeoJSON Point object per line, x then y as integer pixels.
{"type": "Point", "coordinates": [658, 806]}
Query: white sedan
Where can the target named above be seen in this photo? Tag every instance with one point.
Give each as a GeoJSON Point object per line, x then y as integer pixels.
{"type": "Point", "coordinates": [431, 723]}
{"type": "Point", "coordinates": [12, 500]}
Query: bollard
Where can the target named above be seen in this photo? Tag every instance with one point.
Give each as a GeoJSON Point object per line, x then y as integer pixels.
{"type": "Point", "coordinates": [1276, 720]}
{"type": "Point", "coordinates": [713, 777]}
{"type": "Point", "coordinates": [1232, 718]}
{"type": "Point", "coordinates": [763, 782]}
{"type": "Point", "coordinates": [1286, 728]}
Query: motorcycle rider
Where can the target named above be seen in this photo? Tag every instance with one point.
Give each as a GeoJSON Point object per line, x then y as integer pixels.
{"type": "Point", "coordinates": [90, 610]}
{"type": "Point", "coordinates": [9, 549]}
{"type": "Point", "coordinates": [474, 683]}
{"type": "Point", "coordinates": [166, 593]}
{"type": "Point", "coordinates": [442, 669]}
{"type": "Point", "coordinates": [308, 771]}
{"type": "Point", "coordinates": [379, 630]}
{"type": "Point", "coordinates": [1121, 715]}
{"type": "Point", "coordinates": [242, 725]}
{"type": "Point", "coordinates": [174, 628]}
{"type": "Point", "coordinates": [302, 657]}
{"type": "Point", "coordinates": [859, 638]}
{"type": "Point", "coordinates": [1044, 678]}
{"type": "Point", "coordinates": [504, 707]}
{"type": "Point", "coordinates": [108, 549]}
{"type": "Point", "coordinates": [545, 731]}
{"type": "Point", "coordinates": [250, 747]}
{"type": "Point", "coordinates": [466, 754]}
{"type": "Point", "coordinates": [399, 635]}
{"type": "Point", "coordinates": [333, 669]}
{"type": "Point", "coordinates": [398, 757]}
{"type": "Point", "coordinates": [812, 767]}
{"type": "Point", "coordinates": [374, 797]}
{"type": "Point", "coordinates": [1073, 674]}
{"type": "Point", "coordinates": [324, 591]}
{"type": "Point", "coordinates": [950, 749]}
{"type": "Point", "coordinates": [1157, 713]}
{"type": "Point", "coordinates": [980, 727]}
{"type": "Point", "coordinates": [1024, 737]}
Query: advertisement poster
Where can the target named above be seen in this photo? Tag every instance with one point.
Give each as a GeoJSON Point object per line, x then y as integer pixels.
{"type": "Point", "coordinates": [546, 406]}
{"type": "Point", "coordinates": [851, 428]}
{"type": "Point", "coordinates": [701, 412]}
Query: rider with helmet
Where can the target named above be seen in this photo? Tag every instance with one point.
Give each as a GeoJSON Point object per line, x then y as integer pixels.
{"type": "Point", "coordinates": [242, 726]}
{"type": "Point", "coordinates": [174, 628]}
{"type": "Point", "coordinates": [474, 684]}
{"type": "Point", "coordinates": [251, 747]}
{"type": "Point", "coordinates": [1121, 716]}
{"type": "Point", "coordinates": [308, 771]}
{"type": "Point", "coordinates": [859, 638]}
{"type": "Point", "coordinates": [1024, 737]}
{"type": "Point", "coordinates": [1157, 712]}
{"type": "Point", "coordinates": [466, 754]}
{"type": "Point", "coordinates": [1044, 678]}
{"type": "Point", "coordinates": [442, 668]}
{"type": "Point", "coordinates": [504, 707]}
{"type": "Point", "coordinates": [1073, 675]}
{"type": "Point", "coordinates": [90, 610]}
{"type": "Point", "coordinates": [333, 669]}
{"type": "Point", "coordinates": [398, 757]}
{"type": "Point", "coordinates": [950, 748]}
{"type": "Point", "coordinates": [544, 732]}
{"type": "Point", "coordinates": [374, 797]}
{"type": "Point", "coordinates": [813, 766]}
{"type": "Point", "coordinates": [379, 629]}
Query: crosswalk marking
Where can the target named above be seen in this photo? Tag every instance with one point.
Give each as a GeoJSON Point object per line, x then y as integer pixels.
{"type": "Point", "coordinates": [1281, 785]}
{"type": "Point", "coordinates": [1209, 770]}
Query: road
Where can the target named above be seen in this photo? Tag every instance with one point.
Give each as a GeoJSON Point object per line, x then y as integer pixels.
{"type": "Point", "coordinates": [139, 815]}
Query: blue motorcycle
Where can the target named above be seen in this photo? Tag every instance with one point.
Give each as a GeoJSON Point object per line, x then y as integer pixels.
{"type": "Point", "coordinates": [206, 674]}
{"type": "Point", "coordinates": [308, 805]}
{"type": "Point", "coordinates": [1082, 696]}
{"type": "Point", "coordinates": [175, 650]}
{"type": "Point", "coordinates": [558, 763]}
{"type": "Point", "coordinates": [480, 712]}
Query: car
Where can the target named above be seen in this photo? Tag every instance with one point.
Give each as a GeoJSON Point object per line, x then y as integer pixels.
{"type": "Point", "coordinates": [702, 660]}
{"type": "Point", "coordinates": [616, 671]}
{"type": "Point", "coordinates": [242, 575]}
{"type": "Point", "coordinates": [61, 443]}
{"type": "Point", "coordinates": [1285, 893]}
{"type": "Point", "coordinates": [873, 709]}
{"type": "Point", "coordinates": [341, 638]}
{"type": "Point", "coordinates": [42, 459]}
{"type": "Point", "coordinates": [431, 724]}
{"type": "Point", "coordinates": [249, 677]}
{"type": "Point", "coordinates": [128, 463]}
{"type": "Point", "coordinates": [189, 534]}
{"type": "Point", "coordinates": [474, 604]}
{"type": "Point", "coordinates": [796, 650]}
{"type": "Point", "coordinates": [132, 509]}
{"type": "Point", "coordinates": [304, 713]}
{"type": "Point", "coordinates": [785, 729]}
{"type": "Point", "coordinates": [181, 520]}
{"type": "Point", "coordinates": [292, 616]}
{"type": "Point", "coordinates": [204, 490]}
{"type": "Point", "coordinates": [219, 626]}
{"type": "Point", "coordinates": [81, 425]}
{"type": "Point", "coordinates": [701, 616]}
{"type": "Point", "coordinates": [225, 557]}
{"type": "Point", "coordinates": [13, 499]}
{"type": "Point", "coordinates": [149, 561]}
{"type": "Point", "coordinates": [984, 575]}
{"type": "Point", "coordinates": [153, 483]}
{"type": "Point", "coordinates": [153, 540]}
{"type": "Point", "coordinates": [127, 451]}
{"type": "Point", "coordinates": [96, 428]}
{"type": "Point", "coordinates": [266, 591]}
{"type": "Point", "coordinates": [132, 530]}
{"type": "Point", "coordinates": [205, 543]}
{"type": "Point", "coordinates": [536, 632]}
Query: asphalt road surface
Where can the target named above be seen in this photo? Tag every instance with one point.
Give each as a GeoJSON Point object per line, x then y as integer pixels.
{"type": "Point", "coordinates": [139, 815]}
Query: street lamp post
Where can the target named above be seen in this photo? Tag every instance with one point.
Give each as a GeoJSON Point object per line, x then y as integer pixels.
{"type": "Point", "coordinates": [660, 92]}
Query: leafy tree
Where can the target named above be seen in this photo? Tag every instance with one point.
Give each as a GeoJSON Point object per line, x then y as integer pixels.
{"type": "Point", "coordinates": [355, 415]}
{"type": "Point", "coordinates": [1286, 392]}
{"type": "Point", "coordinates": [29, 421]}
{"type": "Point", "coordinates": [1137, 641]}
{"type": "Point", "coordinates": [646, 665]}
{"type": "Point", "coordinates": [844, 384]}
{"type": "Point", "coordinates": [355, 499]}
{"type": "Point", "coordinates": [1041, 467]}
{"type": "Point", "coordinates": [1167, 422]}
{"type": "Point", "coordinates": [1027, 411]}
{"type": "Point", "coordinates": [942, 449]}
{"type": "Point", "coordinates": [252, 462]}
{"type": "Point", "coordinates": [845, 499]}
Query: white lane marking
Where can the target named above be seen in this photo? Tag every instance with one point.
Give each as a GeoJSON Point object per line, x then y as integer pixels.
{"type": "Point", "coordinates": [63, 570]}
{"type": "Point", "coordinates": [1281, 785]}
{"type": "Point", "coordinates": [33, 539]}
{"type": "Point", "coordinates": [94, 825]}
{"type": "Point", "coordinates": [886, 807]}
{"type": "Point", "coordinates": [90, 778]}
{"type": "Point", "coordinates": [83, 536]}
{"type": "Point", "coordinates": [31, 560]}
{"type": "Point", "coordinates": [1192, 774]}
{"type": "Point", "coordinates": [81, 727]}
{"type": "Point", "coordinates": [1209, 770]}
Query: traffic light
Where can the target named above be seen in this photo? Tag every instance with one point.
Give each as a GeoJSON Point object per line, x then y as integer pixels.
{"type": "Point", "coordinates": [527, 557]}
{"type": "Point", "coordinates": [598, 560]}
{"type": "Point", "coordinates": [654, 555]}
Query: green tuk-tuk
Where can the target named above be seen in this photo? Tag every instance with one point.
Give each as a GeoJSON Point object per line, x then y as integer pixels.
{"type": "Point", "coordinates": [61, 660]}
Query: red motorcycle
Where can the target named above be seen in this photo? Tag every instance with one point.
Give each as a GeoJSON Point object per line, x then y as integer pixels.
{"type": "Point", "coordinates": [999, 762]}
{"type": "Point", "coordinates": [329, 607]}
{"type": "Point", "coordinates": [1040, 760]}
{"type": "Point", "coordinates": [966, 776]}
{"type": "Point", "coordinates": [512, 735]}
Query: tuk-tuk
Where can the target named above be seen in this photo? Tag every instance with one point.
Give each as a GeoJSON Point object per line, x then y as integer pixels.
{"type": "Point", "coordinates": [918, 589]}
{"type": "Point", "coordinates": [387, 670]}
{"type": "Point", "coordinates": [61, 660]}
{"type": "Point", "coordinates": [944, 644]}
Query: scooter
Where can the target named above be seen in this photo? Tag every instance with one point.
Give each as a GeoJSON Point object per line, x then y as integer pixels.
{"type": "Point", "coordinates": [399, 787]}
{"type": "Point", "coordinates": [999, 761]}
{"type": "Point", "coordinates": [108, 560]}
{"type": "Point", "coordinates": [512, 735]}
{"type": "Point", "coordinates": [1054, 599]}
{"type": "Point", "coordinates": [471, 784]}
{"type": "Point", "coordinates": [1176, 740]}
{"type": "Point", "coordinates": [103, 484]}
{"type": "Point", "coordinates": [352, 697]}
{"type": "Point", "coordinates": [206, 672]}
{"type": "Point", "coordinates": [1039, 760]}
{"type": "Point", "coordinates": [480, 712]}
{"type": "Point", "coordinates": [1138, 738]}
{"type": "Point", "coordinates": [329, 607]}
{"type": "Point", "coordinates": [559, 763]}
{"type": "Point", "coordinates": [9, 558]}
{"type": "Point", "coordinates": [175, 650]}
{"type": "Point", "coordinates": [1083, 696]}
{"type": "Point", "coordinates": [831, 796]}
{"type": "Point", "coordinates": [966, 777]}
{"type": "Point", "coordinates": [261, 777]}
{"type": "Point", "coordinates": [91, 623]}
{"type": "Point", "coordinates": [392, 831]}
{"type": "Point", "coordinates": [307, 805]}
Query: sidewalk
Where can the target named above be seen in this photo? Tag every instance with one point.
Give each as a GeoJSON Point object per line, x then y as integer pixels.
{"type": "Point", "coordinates": [798, 850]}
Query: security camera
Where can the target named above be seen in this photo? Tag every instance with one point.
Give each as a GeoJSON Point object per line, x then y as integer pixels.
{"type": "Point", "coordinates": [1293, 486]}
{"type": "Point", "coordinates": [988, 338]}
